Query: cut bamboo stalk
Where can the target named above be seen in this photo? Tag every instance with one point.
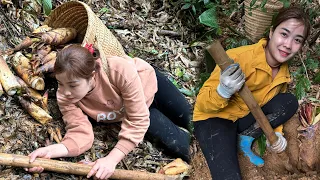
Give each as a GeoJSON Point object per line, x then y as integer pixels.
{"type": "Point", "coordinates": [7, 79]}
{"type": "Point", "coordinates": [35, 111]}
{"type": "Point", "coordinates": [23, 68]}
{"type": "Point", "coordinates": [76, 168]}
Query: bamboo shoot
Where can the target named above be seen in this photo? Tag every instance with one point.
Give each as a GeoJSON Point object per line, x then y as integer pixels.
{"type": "Point", "coordinates": [23, 68]}
{"type": "Point", "coordinates": [7, 79]}
{"type": "Point", "coordinates": [35, 111]}
{"type": "Point", "coordinates": [46, 68]}
{"type": "Point", "coordinates": [49, 57]}
{"type": "Point", "coordinates": [59, 36]}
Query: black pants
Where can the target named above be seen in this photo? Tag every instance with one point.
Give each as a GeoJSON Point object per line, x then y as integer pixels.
{"type": "Point", "coordinates": [218, 137]}
{"type": "Point", "coordinates": [169, 111]}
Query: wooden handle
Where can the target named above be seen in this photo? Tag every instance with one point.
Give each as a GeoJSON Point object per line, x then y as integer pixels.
{"type": "Point", "coordinates": [223, 61]}
{"type": "Point", "coordinates": [75, 168]}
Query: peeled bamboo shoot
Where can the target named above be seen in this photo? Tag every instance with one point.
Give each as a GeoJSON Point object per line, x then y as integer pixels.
{"type": "Point", "coordinates": [7, 79]}
{"type": "Point", "coordinates": [35, 111]}
{"type": "Point", "coordinates": [59, 36]}
{"type": "Point", "coordinates": [24, 70]}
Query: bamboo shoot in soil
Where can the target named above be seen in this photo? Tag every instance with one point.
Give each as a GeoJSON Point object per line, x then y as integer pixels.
{"type": "Point", "coordinates": [7, 79]}
{"type": "Point", "coordinates": [46, 68]}
{"type": "Point", "coordinates": [76, 168]}
{"type": "Point", "coordinates": [59, 36]}
{"type": "Point", "coordinates": [35, 111]}
{"type": "Point", "coordinates": [23, 68]}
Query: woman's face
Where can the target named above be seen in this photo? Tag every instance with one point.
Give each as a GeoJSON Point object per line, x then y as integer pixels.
{"type": "Point", "coordinates": [285, 41]}
{"type": "Point", "coordinates": [73, 88]}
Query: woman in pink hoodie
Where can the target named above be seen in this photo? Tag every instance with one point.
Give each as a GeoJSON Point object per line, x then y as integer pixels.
{"type": "Point", "coordinates": [119, 89]}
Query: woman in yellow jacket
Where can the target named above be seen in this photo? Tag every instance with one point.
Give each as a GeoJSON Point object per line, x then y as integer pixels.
{"type": "Point", "coordinates": [220, 115]}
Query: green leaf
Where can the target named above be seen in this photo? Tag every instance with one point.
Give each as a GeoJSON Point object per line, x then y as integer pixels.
{"type": "Point", "coordinates": [312, 64]}
{"type": "Point", "coordinates": [286, 3]}
{"type": "Point", "coordinates": [317, 78]}
{"type": "Point", "coordinates": [263, 3]}
{"type": "Point", "coordinates": [186, 6]}
{"type": "Point", "coordinates": [262, 144]}
{"type": "Point", "coordinates": [47, 6]}
{"type": "Point", "coordinates": [104, 10]}
{"type": "Point", "coordinates": [187, 92]}
{"type": "Point", "coordinates": [153, 51]}
{"type": "Point", "coordinates": [179, 72]}
{"type": "Point", "coordinates": [208, 18]}
{"type": "Point", "coordinates": [252, 3]}
{"type": "Point", "coordinates": [303, 85]}
{"type": "Point", "coordinates": [206, 1]}
{"type": "Point", "coordinates": [313, 99]}
{"type": "Point", "coordinates": [194, 10]}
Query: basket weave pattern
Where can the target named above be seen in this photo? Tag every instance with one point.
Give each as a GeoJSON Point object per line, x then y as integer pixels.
{"type": "Point", "coordinates": [257, 21]}
{"type": "Point", "coordinates": [90, 29]}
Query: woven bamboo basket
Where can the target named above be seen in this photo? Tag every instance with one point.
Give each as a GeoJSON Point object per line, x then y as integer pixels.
{"type": "Point", "coordinates": [257, 21]}
{"type": "Point", "coordinates": [90, 29]}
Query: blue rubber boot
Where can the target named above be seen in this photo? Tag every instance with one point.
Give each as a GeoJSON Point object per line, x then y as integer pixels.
{"type": "Point", "coordinates": [245, 143]}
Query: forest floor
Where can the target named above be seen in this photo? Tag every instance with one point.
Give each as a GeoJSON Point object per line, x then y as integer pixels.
{"type": "Point", "coordinates": [166, 37]}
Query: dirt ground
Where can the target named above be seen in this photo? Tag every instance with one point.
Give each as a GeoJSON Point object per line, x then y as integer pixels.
{"type": "Point", "coordinates": [273, 168]}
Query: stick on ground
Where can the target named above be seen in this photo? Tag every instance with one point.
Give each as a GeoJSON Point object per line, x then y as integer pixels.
{"type": "Point", "coordinates": [76, 168]}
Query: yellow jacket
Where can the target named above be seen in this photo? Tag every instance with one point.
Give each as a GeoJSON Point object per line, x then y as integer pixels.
{"type": "Point", "coordinates": [258, 74]}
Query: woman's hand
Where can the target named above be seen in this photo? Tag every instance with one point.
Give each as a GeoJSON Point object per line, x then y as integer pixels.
{"type": "Point", "coordinates": [103, 168]}
{"type": "Point", "coordinates": [52, 151]}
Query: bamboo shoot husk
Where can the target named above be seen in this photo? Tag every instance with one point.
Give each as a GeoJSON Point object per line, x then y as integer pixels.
{"type": "Point", "coordinates": [27, 42]}
{"type": "Point", "coordinates": [59, 36]}
{"type": "Point", "coordinates": [43, 51]}
{"type": "Point", "coordinates": [46, 68]}
{"type": "Point", "coordinates": [49, 57]}
{"type": "Point", "coordinates": [7, 79]}
{"type": "Point", "coordinates": [77, 168]}
{"type": "Point", "coordinates": [42, 29]}
{"type": "Point", "coordinates": [34, 94]}
{"type": "Point", "coordinates": [24, 70]}
{"type": "Point", "coordinates": [35, 111]}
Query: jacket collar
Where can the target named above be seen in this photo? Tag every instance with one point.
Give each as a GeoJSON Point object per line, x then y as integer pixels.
{"type": "Point", "coordinates": [260, 61]}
